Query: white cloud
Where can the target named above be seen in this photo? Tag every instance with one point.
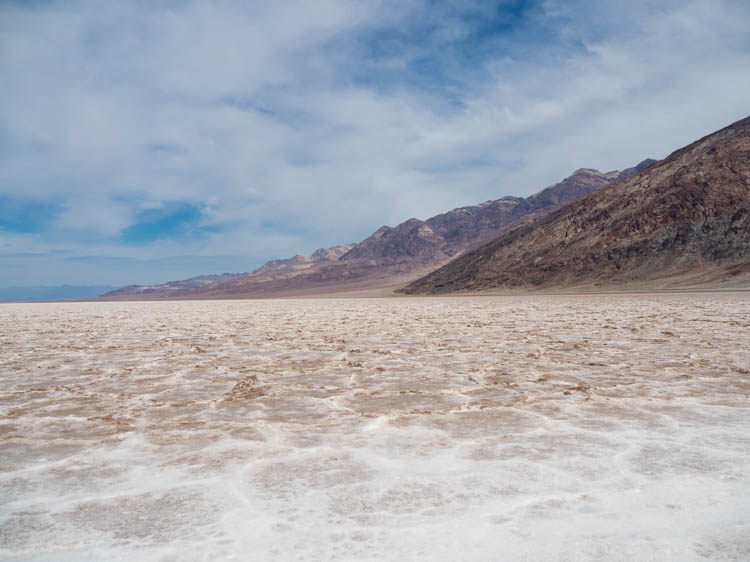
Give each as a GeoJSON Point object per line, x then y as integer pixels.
{"type": "Point", "coordinates": [302, 124]}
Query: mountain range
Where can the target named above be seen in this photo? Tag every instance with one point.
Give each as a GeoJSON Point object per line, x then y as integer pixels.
{"type": "Point", "coordinates": [676, 223]}
{"type": "Point", "coordinates": [391, 256]}
{"type": "Point", "coordinates": [197, 282]}
{"type": "Point", "coordinates": [682, 222]}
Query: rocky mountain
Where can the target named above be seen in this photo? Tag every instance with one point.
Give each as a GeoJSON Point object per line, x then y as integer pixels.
{"type": "Point", "coordinates": [412, 240]}
{"type": "Point", "coordinates": [300, 263]}
{"type": "Point", "coordinates": [443, 236]}
{"type": "Point", "coordinates": [394, 253]}
{"type": "Point", "coordinates": [684, 221]}
{"type": "Point", "coordinates": [331, 254]}
{"type": "Point", "coordinates": [294, 263]}
{"type": "Point", "coordinates": [637, 169]}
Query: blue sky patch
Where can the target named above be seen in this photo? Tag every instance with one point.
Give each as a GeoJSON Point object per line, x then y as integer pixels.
{"type": "Point", "coordinates": [170, 221]}
{"type": "Point", "coordinates": [26, 216]}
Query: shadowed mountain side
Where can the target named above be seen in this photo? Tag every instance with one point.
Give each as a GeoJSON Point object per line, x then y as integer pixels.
{"type": "Point", "coordinates": [682, 222]}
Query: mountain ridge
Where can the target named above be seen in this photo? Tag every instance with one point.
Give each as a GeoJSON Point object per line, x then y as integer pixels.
{"type": "Point", "coordinates": [412, 247]}
{"type": "Point", "coordinates": [686, 218]}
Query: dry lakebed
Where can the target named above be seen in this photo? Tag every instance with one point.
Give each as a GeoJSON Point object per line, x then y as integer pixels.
{"type": "Point", "coordinates": [578, 427]}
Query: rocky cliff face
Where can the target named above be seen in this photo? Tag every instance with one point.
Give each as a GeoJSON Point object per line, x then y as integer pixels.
{"type": "Point", "coordinates": [294, 263]}
{"type": "Point", "coordinates": [331, 254]}
{"type": "Point", "coordinates": [685, 220]}
{"type": "Point", "coordinates": [301, 263]}
{"type": "Point", "coordinates": [629, 172]}
{"type": "Point", "coordinates": [467, 225]}
{"type": "Point", "coordinates": [412, 240]}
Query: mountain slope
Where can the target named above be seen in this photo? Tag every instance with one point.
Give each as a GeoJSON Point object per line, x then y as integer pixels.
{"type": "Point", "coordinates": [443, 236]}
{"type": "Point", "coordinates": [685, 220]}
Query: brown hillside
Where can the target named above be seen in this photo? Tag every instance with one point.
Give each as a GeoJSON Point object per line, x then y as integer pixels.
{"type": "Point", "coordinates": [685, 219]}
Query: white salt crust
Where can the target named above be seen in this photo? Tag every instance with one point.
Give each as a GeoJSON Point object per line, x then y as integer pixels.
{"type": "Point", "coordinates": [506, 428]}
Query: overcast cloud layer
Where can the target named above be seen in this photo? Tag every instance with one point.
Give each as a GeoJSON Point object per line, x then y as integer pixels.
{"type": "Point", "coordinates": [142, 142]}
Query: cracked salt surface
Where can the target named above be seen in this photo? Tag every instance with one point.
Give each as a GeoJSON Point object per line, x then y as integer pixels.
{"type": "Point", "coordinates": [608, 427]}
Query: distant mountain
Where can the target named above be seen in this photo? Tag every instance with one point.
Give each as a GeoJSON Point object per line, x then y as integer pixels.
{"type": "Point", "coordinates": [270, 271]}
{"type": "Point", "coordinates": [331, 254]}
{"type": "Point", "coordinates": [684, 221]}
{"type": "Point", "coordinates": [296, 264]}
{"type": "Point", "coordinates": [412, 241]}
{"type": "Point", "coordinates": [395, 253]}
{"type": "Point", "coordinates": [170, 286]}
{"type": "Point", "coordinates": [59, 292]}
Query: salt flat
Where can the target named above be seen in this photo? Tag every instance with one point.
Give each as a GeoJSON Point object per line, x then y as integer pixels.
{"type": "Point", "coordinates": [609, 427]}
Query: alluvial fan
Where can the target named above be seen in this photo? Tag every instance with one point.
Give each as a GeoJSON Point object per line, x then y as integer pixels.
{"type": "Point", "coordinates": [609, 427]}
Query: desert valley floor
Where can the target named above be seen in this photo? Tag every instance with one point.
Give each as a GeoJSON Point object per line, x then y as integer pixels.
{"type": "Point", "coordinates": [604, 427]}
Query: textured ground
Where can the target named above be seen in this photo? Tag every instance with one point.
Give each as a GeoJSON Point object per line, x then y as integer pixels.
{"type": "Point", "coordinates": [516, 428]}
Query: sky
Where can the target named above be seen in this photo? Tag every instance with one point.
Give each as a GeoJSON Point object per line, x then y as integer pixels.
{"type": "Point", "coordinates": [142, 142]}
